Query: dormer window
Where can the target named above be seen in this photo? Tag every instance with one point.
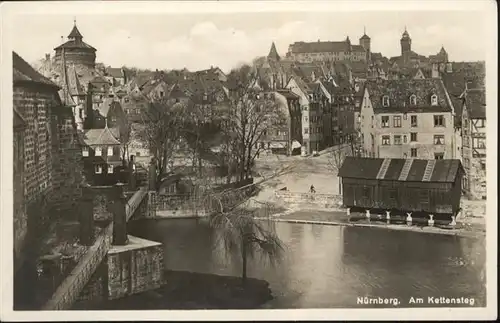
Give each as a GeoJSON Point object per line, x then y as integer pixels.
{"type": "Point", "coordinates": [434, 100]}
{"type": "Point", "coordinates": [385, 101]}
{"type": "Point", "coordinates": [413, 99]}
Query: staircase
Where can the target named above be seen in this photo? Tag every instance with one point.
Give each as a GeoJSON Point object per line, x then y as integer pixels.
{"type": "Point", "coordinates": [429, 168]}
{"type": "Point", "coordinates": [405, 170]}
{"type": "Point", "coordinates": [383, 168]}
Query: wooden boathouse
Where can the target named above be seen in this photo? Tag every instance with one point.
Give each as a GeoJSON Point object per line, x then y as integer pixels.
{"type": "Point", "coordinates": [402, 185]}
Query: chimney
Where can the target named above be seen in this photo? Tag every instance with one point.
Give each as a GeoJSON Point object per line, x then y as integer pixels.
{"type": "Point", "coordinates": [119, 216]}
{"type": "Point", "coordinates": [47, 57]}
{"type": "Point", "coordinates": [62, 39]}
{"type": "Point", "coordinates": [86, 217]}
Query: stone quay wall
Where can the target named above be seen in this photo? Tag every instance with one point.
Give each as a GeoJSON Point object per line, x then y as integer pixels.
{"type": "Point", "coordinates": [310, 199]}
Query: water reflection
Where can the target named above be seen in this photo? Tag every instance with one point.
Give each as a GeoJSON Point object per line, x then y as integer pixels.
{"type": "Point", "coordinates": [330, 266]}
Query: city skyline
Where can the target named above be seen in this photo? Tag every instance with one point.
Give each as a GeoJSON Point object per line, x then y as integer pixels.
{"type": "Point", "coordinates": [198, 41]}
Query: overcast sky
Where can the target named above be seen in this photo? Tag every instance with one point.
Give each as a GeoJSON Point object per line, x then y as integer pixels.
{"type": "Point", "coordinates": [197, 41]}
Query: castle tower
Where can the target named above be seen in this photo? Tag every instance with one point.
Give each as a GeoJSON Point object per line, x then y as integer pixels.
{"type": "Point", "coordinates": [77, 52]}
{"type": "Point", "coordinates": [365, 42]}
{"type": "Point", "coordinates": [405, 43]}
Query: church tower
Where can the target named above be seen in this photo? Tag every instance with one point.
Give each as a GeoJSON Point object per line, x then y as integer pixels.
{"type": "Point", "coordinates": [405, 43]}
{"type": "Point", "coordinates": [273, 53]}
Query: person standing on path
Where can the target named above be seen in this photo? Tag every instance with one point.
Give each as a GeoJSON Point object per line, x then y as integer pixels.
{"type": "Point", "coordinates": [312, 189]}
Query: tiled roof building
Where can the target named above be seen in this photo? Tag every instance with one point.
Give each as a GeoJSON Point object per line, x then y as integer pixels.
{"type": "Point", "coordinates": [329, 50]}
{"type": "Point", "coordinates": [407, 118]}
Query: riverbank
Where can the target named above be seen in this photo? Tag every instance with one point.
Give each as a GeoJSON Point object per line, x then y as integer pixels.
{"type": "Point", "coordinates": [338, 217]}
{"type": "Point", "coordinates": [188, 290]}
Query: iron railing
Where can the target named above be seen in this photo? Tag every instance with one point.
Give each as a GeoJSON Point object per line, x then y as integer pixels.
{"type": "Point", "coordinates": [134, 202]}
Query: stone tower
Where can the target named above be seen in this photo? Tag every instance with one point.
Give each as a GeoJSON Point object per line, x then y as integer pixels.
{"type": "Point", "coordinates": [365, 42]}
{"type": "Point", "coordinates": [405, 43]}
{"type": "Point", "coordinates": [77, 52]}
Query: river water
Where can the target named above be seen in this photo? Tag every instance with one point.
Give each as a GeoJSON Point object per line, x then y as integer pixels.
{"type": "Point", "coordinates": [331, 266]}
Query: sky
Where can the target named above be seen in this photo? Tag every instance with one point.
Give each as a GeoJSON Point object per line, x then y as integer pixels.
{"type": "Point", "coordinates": [200, 40]}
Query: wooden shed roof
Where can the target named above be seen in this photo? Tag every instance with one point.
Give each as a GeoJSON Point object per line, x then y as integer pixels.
{"type": "Point", "coordinates": [395, 169]}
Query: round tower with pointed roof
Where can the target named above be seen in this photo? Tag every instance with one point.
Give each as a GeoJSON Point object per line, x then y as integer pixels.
{"type": "Point", "coordinates": [76, 51]}
{"type": "Point", "coordinates": [405, 43]}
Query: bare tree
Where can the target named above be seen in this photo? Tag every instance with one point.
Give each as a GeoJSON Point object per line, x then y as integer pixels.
{"type": "Point", "coordinates": [162, 129]}
{"type": "Point", "coordinates": [250, 115]}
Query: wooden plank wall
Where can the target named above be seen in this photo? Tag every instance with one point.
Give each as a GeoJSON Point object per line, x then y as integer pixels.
{"type": "Point", "coordinates": [404, 196]}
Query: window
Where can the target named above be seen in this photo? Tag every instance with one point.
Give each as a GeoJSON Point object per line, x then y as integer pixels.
{"type": "Point", "coordinates": [85, 151]}
{"type": "Point", "coordinates": [483, 166]}
{"type": "Point", "coordinates": [386, 140]}
{"type": "Point", "coordinates": [438, 139]}
{"type": "Point", "coordinates": [434, 100]}
{"type": "Point", "coordinates": [397, 121]}
{"type": "Point", "coordinates": [385, 101]}
{"type": "Point", "coordinates": [127, 111]}
{"type": "Point", "coordinates": [479, 143]}
{"type": "Point", "coordinates": [98, 169]}
{"type": "Point", "coordinates": [405, 139]}
{"type": "Point", "coordinates": [110, 151]}
{"type": "Point", "coordinates": [137, 111]}
{"type": "Point", "coordinates": [306, 119]}
{"type": "Point", "coordinates": [385, 121]}
{"type": "Point", "coordinates": [439, 121]}
{"type": "Point", "coordinates": [413, 99]}
{"type": "Point", "coordinates": [110, 169]}
{"type": "Point", "coordinates": [397, 139]}
{"type": "Point", "coordinates": [161, 94]}
{"type": "Point", "coordinates": [113, 119]}
{"type": "Point", "coordinates": [413, 152]}
{"type": "Point", "coordinates": [98, 151]}
{"type": "Point", "coordinates": [306, 130]}
{"type": "Point", "coordinates": [438, 155]}
{"type": "Point", "coordinates": [480, 123]}
{"type": "Point", "coordinates": [413, 136]}
{"type": "Point", "coordinates": [413, 121]}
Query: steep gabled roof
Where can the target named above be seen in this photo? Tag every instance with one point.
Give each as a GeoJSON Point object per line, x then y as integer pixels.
{"type": "Point", "coordinates": [75, 88]}
{"type": "Point", "coordinates": [444, 170]}
{"type": "Point", "coordinates": [104, 136]}
{"type": "Point", "coordinates": [24, 72]}
{"type": "Point", "coordinates": [399, 92]}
